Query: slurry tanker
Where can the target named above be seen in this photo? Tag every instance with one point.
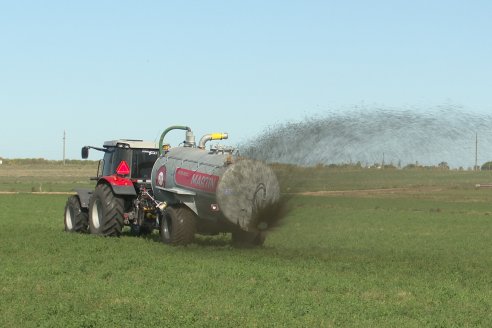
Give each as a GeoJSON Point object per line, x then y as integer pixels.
{"type": "Point", "coordinates": [181, 191]}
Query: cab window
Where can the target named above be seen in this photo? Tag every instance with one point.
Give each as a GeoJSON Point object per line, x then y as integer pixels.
{"type": "Point", "coordinates": [142, 162]}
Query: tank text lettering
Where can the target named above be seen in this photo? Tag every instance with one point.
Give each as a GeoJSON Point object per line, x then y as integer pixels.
{"type": "Point", "coordinates": [196, 180]}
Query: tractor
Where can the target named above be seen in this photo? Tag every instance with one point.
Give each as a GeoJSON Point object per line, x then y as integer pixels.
{"type": "Point", "coordinates": [182, 191]}
{"type": "Point", "coordinates": [122, 195]}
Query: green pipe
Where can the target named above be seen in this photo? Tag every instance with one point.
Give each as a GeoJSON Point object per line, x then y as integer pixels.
{"type": "Point", "coordinates": [166, 131]}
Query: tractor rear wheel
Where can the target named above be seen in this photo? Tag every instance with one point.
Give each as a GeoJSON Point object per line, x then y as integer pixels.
{"type": "Point", "coordinates": [178, 226]}
{"type": "Point", "coordinates": [247, 239]}
{"type": "Point", "coordinates": [106, 212]}
{"type": "Point", "coordinates": [76, 218]}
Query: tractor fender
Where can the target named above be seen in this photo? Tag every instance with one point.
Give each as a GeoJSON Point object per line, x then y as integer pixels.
{"type": "Point", "coordinates": [84, 195]}
{"type": "Point", "coordinates": [120, 186]}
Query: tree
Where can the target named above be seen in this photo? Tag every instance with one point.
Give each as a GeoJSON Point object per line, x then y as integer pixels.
{"type": "Point", "coordinates": [487, 166]}
{"type": "Point", "coordinates": [443, 166]}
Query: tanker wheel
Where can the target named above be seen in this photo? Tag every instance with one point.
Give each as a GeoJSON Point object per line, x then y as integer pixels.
{"type": "Point", "coordinates": [76, 218]}
{"type": "Point", "coordinates": [106, 212]}
{"type": "Point", "coordinates": [178, 226]}
{"type": "Point", "coordinates": [247, 239]}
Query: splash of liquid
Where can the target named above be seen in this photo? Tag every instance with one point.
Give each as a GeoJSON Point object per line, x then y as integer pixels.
{"type": "Point", "coordinates": [377, 135]}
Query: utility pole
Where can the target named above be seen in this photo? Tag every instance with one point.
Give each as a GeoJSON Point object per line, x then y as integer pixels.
{"type": "Point", "coordinates": [476, 151]}
{"type": "Point", "coordinates": [64, 142]}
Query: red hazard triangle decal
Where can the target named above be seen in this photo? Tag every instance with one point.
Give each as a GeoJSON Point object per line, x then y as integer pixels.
{"type": "Point", "coordinates": [123, 168]}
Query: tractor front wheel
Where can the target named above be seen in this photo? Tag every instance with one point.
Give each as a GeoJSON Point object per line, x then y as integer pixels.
{"type": "Point", "coordinates": [178, 226]}
{"type": "Point", "coordinates": [76, 218]}
{"type": "Point", "coordinates": [106, 212]}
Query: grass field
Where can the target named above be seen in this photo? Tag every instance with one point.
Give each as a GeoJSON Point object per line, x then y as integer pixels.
{"type": "Point", "coordinates": [46, 177]}
{"type": "Point", "coordinates": [417, 256]}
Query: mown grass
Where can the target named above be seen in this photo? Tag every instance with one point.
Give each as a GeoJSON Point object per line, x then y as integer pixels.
{"type": "Point", "coordinates": [42, 177]}
{"type": "Point", "coordinates": [298, 179]}
{"type": "Point", "coordinates": [55, 177]}
{"type": "Point", "coordinates": [390, 260]}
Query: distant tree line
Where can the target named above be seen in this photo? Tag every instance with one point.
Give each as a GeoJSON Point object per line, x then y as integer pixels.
{"type": "Point", "coordinates": [358, 165]}
{"type": "Point", "coordinates": [413, 166]}
{"type": "Point", "coordinates": [42, 161]}
{"type": "Point", "coordinates": [487, 166]}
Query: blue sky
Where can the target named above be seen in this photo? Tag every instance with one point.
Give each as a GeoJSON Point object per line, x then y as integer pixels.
{"type": "Point", "coordinates": [103, 70]}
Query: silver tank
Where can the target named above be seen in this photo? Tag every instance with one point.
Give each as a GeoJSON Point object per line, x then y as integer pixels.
{"type": "Point", "coordinates": [217, 185]}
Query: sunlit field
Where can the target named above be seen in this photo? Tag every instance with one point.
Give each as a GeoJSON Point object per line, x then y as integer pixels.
{"type": "Point", "coordinates": [415, 254]}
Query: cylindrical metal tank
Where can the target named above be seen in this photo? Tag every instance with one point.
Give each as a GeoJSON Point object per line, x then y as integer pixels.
{"type": "Point", "coordinates": [217, 185]}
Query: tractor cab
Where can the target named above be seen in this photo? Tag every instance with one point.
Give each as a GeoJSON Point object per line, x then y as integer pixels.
{"type": "Point", "coordinates": [132, 159]}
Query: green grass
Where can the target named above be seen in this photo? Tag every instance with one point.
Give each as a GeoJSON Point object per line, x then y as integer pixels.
{"type": "Point", "coordinates": [419, 259]}
{"type": "Point", "coordinates": [54, 177]}
{"type": "Point", "coordinates": [46, 177]}
{"type": "Point", "coordinates": [296, 179]}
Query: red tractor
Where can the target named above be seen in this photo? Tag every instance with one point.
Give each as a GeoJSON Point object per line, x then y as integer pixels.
{"type": "Point", "coordinates": [182, 191]}
{"type": "Point", "coordinates": [123, 194]}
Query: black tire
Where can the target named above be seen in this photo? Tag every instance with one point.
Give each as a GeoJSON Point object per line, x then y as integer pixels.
{"type": "Point", "coordinates": [178, 226]}
{"type": "Point", "coordinates": [106, 212]}
{"type": "Point", "coordinates": [76, 218]}
{"type": "Point", "coordinates": [247, 239]}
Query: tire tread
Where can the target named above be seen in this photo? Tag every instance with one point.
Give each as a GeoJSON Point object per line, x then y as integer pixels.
{"type": "Point", "coordinates": [113, 209]}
